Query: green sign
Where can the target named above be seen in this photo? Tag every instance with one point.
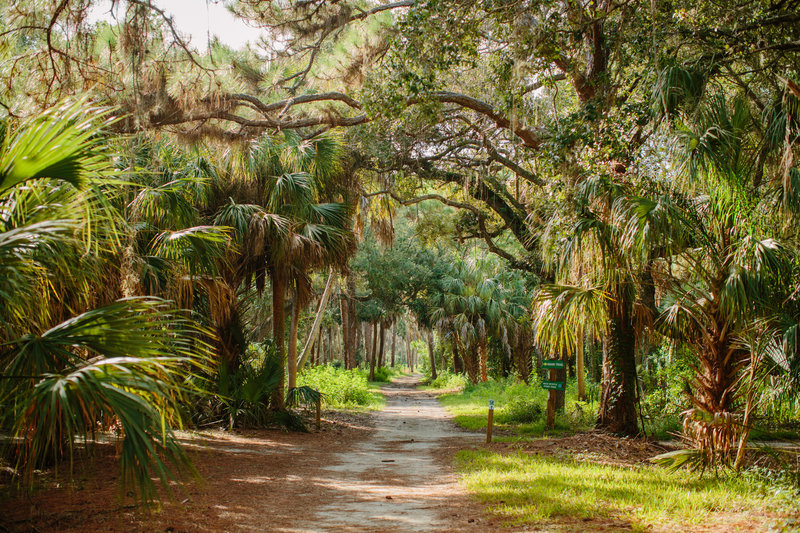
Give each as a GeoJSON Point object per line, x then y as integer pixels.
{"type": "Point", "coordinates": [553, 363]}
{"type": "Point", "coordinates": [553, 385]}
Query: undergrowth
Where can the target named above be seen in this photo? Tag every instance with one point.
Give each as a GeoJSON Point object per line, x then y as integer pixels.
{"type": "Point", "coordinates": [341, 389]}
{"type": "Point", "coordinates": [519, 407]}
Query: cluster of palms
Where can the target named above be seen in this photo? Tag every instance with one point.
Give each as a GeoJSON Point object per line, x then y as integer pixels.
{"type": "Point", "coordinates": [473, 304]}
{"type": "Point", "coordinates": [702, 260]}
{"type": "Point", "coordinates": [125, 283]}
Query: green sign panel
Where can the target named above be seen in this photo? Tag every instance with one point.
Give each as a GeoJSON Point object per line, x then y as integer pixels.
{"type": "Point", "coordinates": [553, 385]}
{"type": "Point", "coordinates": [553, 363]}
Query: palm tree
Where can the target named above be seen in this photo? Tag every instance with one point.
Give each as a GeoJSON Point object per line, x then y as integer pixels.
{"type": "Point", "coordinates": [293, 175]}
{"type": "Point", "coordinates": [474, 306]}
{"type": "Point", "coordinates": [73, 360]}
{"type": "Point", "coordinates": [598, 269]}
{"type": "Point", "coordinates": [734, 274]}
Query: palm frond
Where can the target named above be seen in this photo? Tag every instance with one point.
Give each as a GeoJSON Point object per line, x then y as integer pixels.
{"type": "Point", "coordinates": [60, 143]}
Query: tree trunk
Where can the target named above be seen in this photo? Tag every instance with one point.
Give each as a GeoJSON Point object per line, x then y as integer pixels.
{"type": "Point", "coordinates": [367, 336]}
{"type": "Point", "coordinates": [343, 310]}
{"type": "Point", "coordinates": [394, 339]}
{"type": "Point", "coordinates": [579, 363]}
{"type": "Point", "coordinates": [382, 345]}
{"type": "Point", "coordinates": [327, 345]}
{"type": "Point", "coordinates": [313, 335]}
{"type": "Point", "coordinates": [431, 354]}
{"type": "Point", "coordinates": [618, 396]}
{"type": "Point", "coordinates": [483, 357]}
{"type": "Point", "coordinates": [470, 358]}
{"type": "Point", "coordinates": [373, 351]}
{"type": "Point", "coordinates": [458, 364]}
{"type": "Point", "coordinates": [278, 400]}
{"type": "Point", "coordinates": [349, 337]}
{"type": "Point", "coordinates": [292, 352]}
{"type": "Point", "coordinates": [409, 361]}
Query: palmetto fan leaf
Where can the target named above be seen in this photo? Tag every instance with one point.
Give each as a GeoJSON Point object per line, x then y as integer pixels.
{"type": "Point", "coordinates": [59, 143]}
{"type": "Point", "coordinates": [130, 361]}
{"type": "Point", "coordinates": [560, 310]}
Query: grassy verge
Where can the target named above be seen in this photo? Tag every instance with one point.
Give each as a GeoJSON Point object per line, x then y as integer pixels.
{"type": "Point", "coordinates": [532, 489]}
{"type": "Point", "coordinates": [519, 409]}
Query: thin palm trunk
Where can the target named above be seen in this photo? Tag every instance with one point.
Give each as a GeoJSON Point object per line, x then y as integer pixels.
{"type": "Point", "coordinates": [382, 346]}
{"type": "Point", "coordinates": [409, 361]}
{"type": "Point", "coordinates": [394, 340]}
{"type": "Point", "coordinates": [292, 352]}
{"type": "Point", "coordinates": [278, 400]}
{"type": "Point", "coordinates": [579, 363]}
{"type": "Point", "coordinates": [431, 354]}
{"type": "Point", "coordinates": [373, 351]}
{"type": "Point", "coordinates": [313, 335]}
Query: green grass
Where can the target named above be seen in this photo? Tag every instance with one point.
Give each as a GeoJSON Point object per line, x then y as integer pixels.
{"type": "Point", "coordinates": [518, 407]}
{"type": "Point", "coordinates": [343, 389]}
{"type": "Point", "coordinates": [445, 380]}
{"type": "Point", "coordinates": [528, 489]}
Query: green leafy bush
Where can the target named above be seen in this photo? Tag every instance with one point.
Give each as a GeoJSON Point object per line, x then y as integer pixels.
{"type": "Point", "coordinates": [449, 380]}
{"type": "Point", "coordinates": [339, 387]}
{"type": "Point", "coordinates": [524, 410]}
{"type": "Point", "coordinates": [383, 374]}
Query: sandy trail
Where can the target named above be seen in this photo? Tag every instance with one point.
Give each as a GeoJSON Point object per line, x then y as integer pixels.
{"type": "Point", "coordinates": [388, 471]}
{"type": "Point", "coordinates": [395, 481]}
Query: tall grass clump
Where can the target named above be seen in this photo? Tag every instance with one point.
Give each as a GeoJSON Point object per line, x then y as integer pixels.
{"type": "Point", "coordinates": [340, 388]}
{"type": "Point", "coordinates": [448, 380]}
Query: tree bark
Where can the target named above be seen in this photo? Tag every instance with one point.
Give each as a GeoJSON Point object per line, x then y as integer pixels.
{"type": "Point", "coordinates": [394, 340]}
{"type": "Point", "coordinates": [351, 341]}
{"type": "Point", "coordinates": [618, 397]}
{"type": "Point", "coordinates": [470, 358]}
{"type": "Point", "coordinates": [483, 357]}
{"type": "Point", "coordinates": [458, 364]}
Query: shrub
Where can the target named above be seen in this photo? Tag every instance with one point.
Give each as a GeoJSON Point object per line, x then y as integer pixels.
{"type": "Point", "coordinates": [524, 410]}
{"type": "Point", "coordinates": [339, 388]}
{"type": "Point", "coordinates": [449, 380]}
{"type": "Point", "coordinates": [383, 374]}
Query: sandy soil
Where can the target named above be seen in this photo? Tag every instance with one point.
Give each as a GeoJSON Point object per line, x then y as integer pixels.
{"type": "Point", "coordinates": [386, 471]}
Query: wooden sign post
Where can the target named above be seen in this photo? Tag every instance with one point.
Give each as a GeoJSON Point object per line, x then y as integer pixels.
{"type": "Point", "coordinates": [555, 386]}
{"type": "Point", "coordinates": [490, 422]}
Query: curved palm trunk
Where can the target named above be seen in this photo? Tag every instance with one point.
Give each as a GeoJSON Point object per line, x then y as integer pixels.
{"type": "Point", "coordinates": [278, 400]}
{"type": "Point", "coordinates": [618, 397]}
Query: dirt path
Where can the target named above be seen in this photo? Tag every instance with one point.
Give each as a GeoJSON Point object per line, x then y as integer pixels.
{"type": "Point", "coordinates": [396, 481]}
{"type": "Point", "coordinates": [386, 471]}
